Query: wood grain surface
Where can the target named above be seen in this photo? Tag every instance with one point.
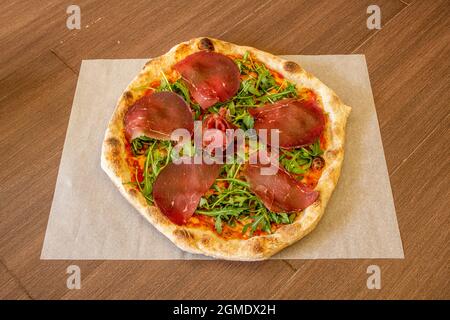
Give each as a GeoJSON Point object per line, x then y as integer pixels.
{"type": "Point", "coordinates": [409, 67]}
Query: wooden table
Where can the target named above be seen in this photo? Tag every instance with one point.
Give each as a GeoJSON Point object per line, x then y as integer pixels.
{"type": "Point", "coordinates": [409, 65]}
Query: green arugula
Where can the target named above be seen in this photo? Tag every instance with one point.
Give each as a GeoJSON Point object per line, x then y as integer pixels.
{"type": "Point", "coordinates": [299, 160]}
{"type": "Point", "coordinates": [179, 87]}
{"type": "Point", "coordinates": [157, 156]}
{"type": "Point", "coordinates": [237, 202]}
{"type": "Point", "coordinates": [140, 144]}
{"type": "Point", "coordinates": [258, 88]}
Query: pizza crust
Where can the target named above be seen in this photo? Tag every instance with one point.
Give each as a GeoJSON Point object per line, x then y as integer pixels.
{"type": "Point", "coordinates": [207, 242]}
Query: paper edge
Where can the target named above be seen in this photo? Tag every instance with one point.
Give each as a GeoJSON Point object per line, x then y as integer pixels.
{"type": "Point", "coordinates": [384, 158]}
{"type": "Point", "coordinates": [58, 177]}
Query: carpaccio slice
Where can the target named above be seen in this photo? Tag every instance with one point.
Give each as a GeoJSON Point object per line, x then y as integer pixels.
{"type": "Point", "coordinates": [211, 76]}
{"type": "Point", "coordinates": [179, 187]}
{"type": "Point", "coordinates": [214, 129]}
{"type": "Point", "coordinates": [300, 122]}
{"type": "Point", "coordinates": [157, 115]}
{"type": "Point", "coordinates": [279, 192]}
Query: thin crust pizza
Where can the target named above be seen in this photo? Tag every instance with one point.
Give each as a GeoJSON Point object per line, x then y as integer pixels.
{"type": "Point", "coordinates": [227, 209]}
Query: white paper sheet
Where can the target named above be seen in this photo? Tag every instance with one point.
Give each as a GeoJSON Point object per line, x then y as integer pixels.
{"type": "Point", "coordinates": [89, 219]}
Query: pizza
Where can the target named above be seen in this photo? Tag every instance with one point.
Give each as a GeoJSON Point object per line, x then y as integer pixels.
{"type": "Point", "coordinates": [173, 150]}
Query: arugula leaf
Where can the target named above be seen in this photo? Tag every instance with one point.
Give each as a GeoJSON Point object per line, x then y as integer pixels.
{"type": "Point", "coordinates": [263, 219]}
{"type": "Point", "coordinates": [165, 84]}
{"type": "Point", "coordinates": [248, 121]}
{"type": "Point", "coordinates": [138, 144]}
{"type": "Point", "coordinates": [197, 111]}
{"type": "Point", "coordinates": [299, 160]}
{"type": "Point", "coordinates": [181, 88]}
{"type": "Point", "coordinates": [246, 55]}
{"type": "Point", "coordinates": [203, 203]}
{"type": "Point", "coordinates": [218, 224]}
{"type": "Point", "coordinates": [258, 220]}
{"type": "Point", "coordinates": [241, 63]}
{"type": "Point", "coordinates": [265, 78]}
{"type": "Point", "coordinates": [157, 156]}
{"type": "Point", "coordinates": [292, 217]}
{"type": "Point", "coordinates": [231, 107]}
{"type": "Point", "coordinates": [227, 215]}
{"type": "Point", "coordinates": [148, 185]}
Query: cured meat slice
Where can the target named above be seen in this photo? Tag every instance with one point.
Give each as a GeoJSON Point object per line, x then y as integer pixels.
{"type": "Point", "coordinates": [211, 76]}
{"type": "Point", "coordinates": [279, 192]}
{"type": "Point", "coordinates": [214, 130]}
{"type": "Point", "coordinates": [179, 187]}
{"type": "Point", "coordinates": [299, 122]}
{"type": "Point", "coordinates": [157, 115]}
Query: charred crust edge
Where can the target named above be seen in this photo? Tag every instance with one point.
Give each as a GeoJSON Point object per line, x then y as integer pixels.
{"type": "Point", "coordinates": [113, 142]}
{"type": "Point", "coordinates": [258, 247]}
{"type": "Point", "coordinates": [291, 66]}
{"type": "Point", "coordinates": [183, 234]}
{"type": "Point", "coordinates": [128, 96]}
{"type": "Point", "coordinates": [206, 44]}
{"type": "Point", "coordinates": [133, 193]}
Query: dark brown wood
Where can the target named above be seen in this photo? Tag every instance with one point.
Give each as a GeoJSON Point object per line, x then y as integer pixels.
{"type": "Point", "coordinates": [27, 30]}
{"type": "Point", "coordinates": [10, 287]}
{"type": "Point", "coordinates": [184, 280]}
{"type": "Point", "coordinates": [409, 69]}
{"type": "Point", "coordinates": [287, 27]}
{"type": "Point", "coordinates": [409, 73]}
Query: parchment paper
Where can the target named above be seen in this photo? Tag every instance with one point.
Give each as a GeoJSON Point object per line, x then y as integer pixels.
{"type": "Point", "coordinates": [89, 219]}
